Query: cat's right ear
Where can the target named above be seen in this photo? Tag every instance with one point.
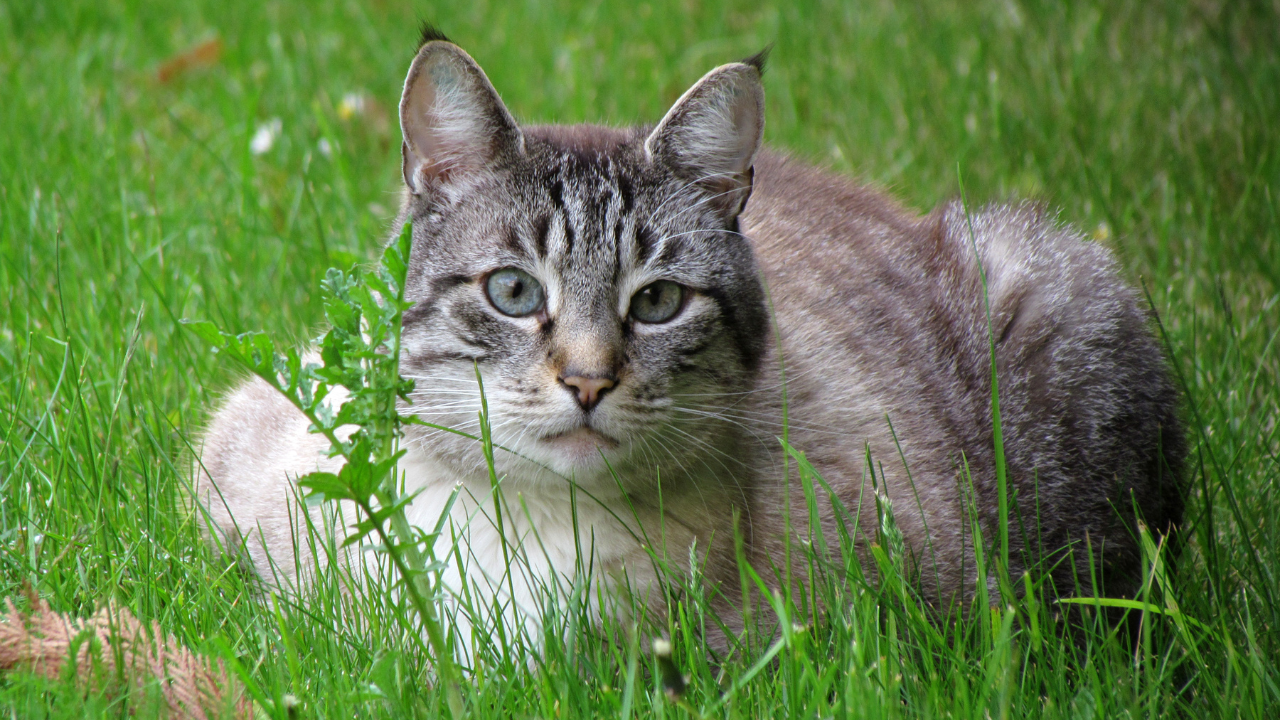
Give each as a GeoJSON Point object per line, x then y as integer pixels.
{"type": "Point", "coordinates": [454, 124]}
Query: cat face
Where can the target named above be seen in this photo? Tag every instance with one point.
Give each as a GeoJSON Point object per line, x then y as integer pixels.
{"type": "Point", "coordinates": [594, 277]}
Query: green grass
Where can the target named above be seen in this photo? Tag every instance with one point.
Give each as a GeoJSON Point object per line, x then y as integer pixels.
{"type": "Point", "coordinates": [127, 204]}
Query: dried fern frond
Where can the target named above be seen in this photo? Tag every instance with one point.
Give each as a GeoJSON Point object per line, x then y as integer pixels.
{"type": "Point", "coordinates": [115, 642]}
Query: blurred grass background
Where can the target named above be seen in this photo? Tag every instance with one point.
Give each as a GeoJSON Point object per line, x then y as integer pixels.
{"type": "Point", "coordinates": [128, 202]}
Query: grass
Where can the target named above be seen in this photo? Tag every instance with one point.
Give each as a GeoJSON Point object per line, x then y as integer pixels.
{"type": "Point", "coordinates": [127, 203]}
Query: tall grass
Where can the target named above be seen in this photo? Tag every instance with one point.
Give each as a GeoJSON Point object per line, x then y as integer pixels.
{"type": "Point", "coordinates": [127, 204]}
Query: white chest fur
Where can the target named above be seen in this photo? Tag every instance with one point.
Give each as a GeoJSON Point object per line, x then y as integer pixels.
{"type": "Point", "coordinates": [560, 545]}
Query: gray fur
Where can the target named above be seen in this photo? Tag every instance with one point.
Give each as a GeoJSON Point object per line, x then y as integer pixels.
{"type": "Point", "coordinates": [881, 316]}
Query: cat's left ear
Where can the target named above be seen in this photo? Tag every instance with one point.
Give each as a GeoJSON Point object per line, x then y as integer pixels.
{"type": "Point", "coordinates": [712, 133]}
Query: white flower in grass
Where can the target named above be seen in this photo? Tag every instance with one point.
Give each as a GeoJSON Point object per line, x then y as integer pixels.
{"type": "Point", "coordinates": [353, 103]}
{"type": "Point", "coordinates": [265, 136]}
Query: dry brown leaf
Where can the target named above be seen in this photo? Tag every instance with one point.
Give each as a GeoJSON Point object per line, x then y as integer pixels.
{"type": "Point", "coordinates": [201, 55]}
{"type": "Point", "coordinates": [43, 641]}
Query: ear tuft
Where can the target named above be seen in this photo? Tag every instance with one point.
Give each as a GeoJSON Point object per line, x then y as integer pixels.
{"type": "Point", "coordinates": [759, 60]}
{"type": "Point", "coordinates": [711, 135]}
{"type": "Point", "coordinates": [453, 121]}
{"type": "Point", "coordinates": [430, 33]}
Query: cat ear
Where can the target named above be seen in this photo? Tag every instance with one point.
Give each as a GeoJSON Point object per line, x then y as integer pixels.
{"type": "Point", "coordinates": [453, 121]}
{"type": "Point", "coordinates": [712, 133]}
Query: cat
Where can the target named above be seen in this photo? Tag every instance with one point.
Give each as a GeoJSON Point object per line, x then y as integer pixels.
{"type": "Point", "coordinates": [632, 297]}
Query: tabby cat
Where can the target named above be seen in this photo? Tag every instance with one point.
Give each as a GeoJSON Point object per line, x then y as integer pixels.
{"type": "Point", "coordinates": [631, 298]}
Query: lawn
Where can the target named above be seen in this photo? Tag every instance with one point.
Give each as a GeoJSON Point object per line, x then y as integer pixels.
{"type": "Point", "coordinates": [210, 160]}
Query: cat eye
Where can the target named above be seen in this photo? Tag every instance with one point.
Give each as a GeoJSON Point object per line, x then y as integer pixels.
{"type": "Point", "coordinates": [657, 302]}
{"type": "Point", "coordinates": [514, 292]}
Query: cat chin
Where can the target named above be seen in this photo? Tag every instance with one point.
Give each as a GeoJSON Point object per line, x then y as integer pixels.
{"type": "Point", "coordinates": [576, 451]}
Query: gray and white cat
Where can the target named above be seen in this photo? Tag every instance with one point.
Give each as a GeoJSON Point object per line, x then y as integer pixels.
{"type": "Point", "coordinates": [610, 284]}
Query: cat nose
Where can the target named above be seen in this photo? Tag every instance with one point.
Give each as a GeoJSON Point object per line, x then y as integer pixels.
{"type": "Point", "coordinates": [588, 390]}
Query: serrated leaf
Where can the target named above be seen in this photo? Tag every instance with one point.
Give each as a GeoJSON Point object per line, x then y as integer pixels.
{"type": "Point", "coordinates": [326, 484]}
{"type": "Point", "coordinates": [396, 257]}
{"type": "Point", "coordinates": [336, 283]}
{"type": "Point", "coordinates": [362, 296]}
{"type": "Point", "coordinates": [263, 356]}
{"type": "Point", "coordinates": [342, 314]}
{"type": "Point", "coordinates": [361, 530]}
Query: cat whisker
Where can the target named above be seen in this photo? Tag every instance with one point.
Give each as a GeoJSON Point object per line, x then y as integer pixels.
{"type": "Point", "coordinates": [681, 190]}
{"type": "Point", "coordinates": [649, 457]}
{"type": "Point", "coordinates": [732, 421]}
{"type": "Point", "coordinates": [703, 461]}
{"type": "Point", "coordinates": [708, 230]}
{"type": "Point", "coordinates": [709, 447]}
{"type": "Point", "coordinates": [450, 403]}
{"type": "Point", "coordinates": [705, 200]}
{"type": "Point", "coordinates": [675, 458]}
{"type": "Point", "coordinates": [768, 419]}
{"type": "Point", "coordinates": [656, 256]}
{"type": "Point", "coordinates": [469, 379]}
{"type": "Point", "coordinates": [762, 388]}
{"type": "Point", "coordinates": [435, 410]}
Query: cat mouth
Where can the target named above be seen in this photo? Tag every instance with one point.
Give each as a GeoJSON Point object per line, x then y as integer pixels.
{"type": "Point", "coordinates": [581, 440]}
{"type": "Point", "coordinates": [582, 452]}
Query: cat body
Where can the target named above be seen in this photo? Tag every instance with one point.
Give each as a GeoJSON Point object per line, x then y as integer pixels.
{"type": "Point", "coordinates": [644, 303]}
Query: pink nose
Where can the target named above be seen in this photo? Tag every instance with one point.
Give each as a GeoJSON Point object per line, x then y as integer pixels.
{"type": "Point", "coordinates": [588, 390]}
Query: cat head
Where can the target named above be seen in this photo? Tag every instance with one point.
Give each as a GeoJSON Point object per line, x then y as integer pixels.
{"type": "Point", "coordinates": [595, 276]}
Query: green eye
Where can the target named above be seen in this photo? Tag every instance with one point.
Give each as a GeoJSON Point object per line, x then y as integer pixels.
{"type": "Point", "coordinates": [514, 292]}
{"type": "Point", "coordinates": [657, 302]}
